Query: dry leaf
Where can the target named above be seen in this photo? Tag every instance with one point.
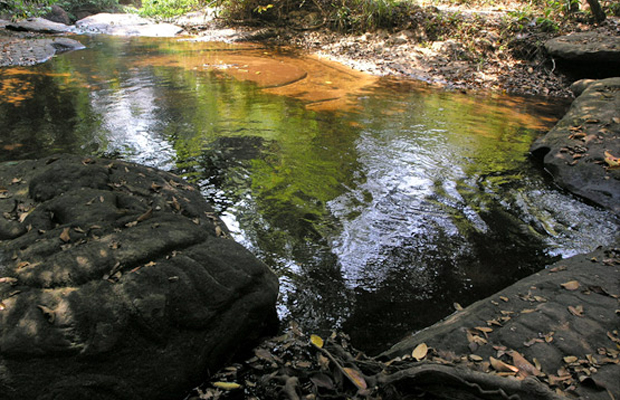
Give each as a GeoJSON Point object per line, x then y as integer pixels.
{"type": "Point", "coordinates": [501, 366]}
{"type": "Point", "coordinates": [175, 203]}
{"type": "Point", "coordinates": [558, 268]}
{"type": "Point", "coordinates": [525, 367]}
{"type": "Point", "coordinates": [570, 359]}
{"type": "Point", "coordinates": [420, 352]}
{"type": "Point", "coordinates": [355, 377]}
{"type": "Point", "coordinates": [458, 307]}
{"type": "Point", "coordinates": [612, 161]}
{"type": "Point", "coordinates": [475, 358]}
{"type": "Point", "coordinates": [64, 236]}
{"type": "Point", "coordinates": [317, 341]}
{"type": "Point", "coordinates": [571, 285]}
{"type": "Point", "coordinates": [226, 385]}
{"type": "Point", "coordinates": [322, 380]}
{"type": "Point", "coordinates": [148, 214]}
{"type": "Point", "coordinates": [504, 298]}
{"type": "Point", "coordinates": [577, 311]}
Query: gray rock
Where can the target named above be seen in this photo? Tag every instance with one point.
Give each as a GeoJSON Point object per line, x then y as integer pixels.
{"type": "Point", "coordinates": [126, 25]}
{"type": "Point", "coordinates": [118, 282]}
{"type": "Point", "coordinates": [579, 86]}
{"type": "Point", "coordinates": [586, 47]}
{"type": "Point", "coordinates": [575, 150]}
{"type": "Point", "coordinates": [532, 317]}
{"type": "Point", "coordinates": [26, 52]}
{"type": "Point", "coordinates": [57, 14]}
{"type": "Point", "coordinates": [38, 25]}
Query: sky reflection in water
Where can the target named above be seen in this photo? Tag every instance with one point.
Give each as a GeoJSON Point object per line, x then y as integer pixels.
{"type": "Point", "coordinates": [379, 203]}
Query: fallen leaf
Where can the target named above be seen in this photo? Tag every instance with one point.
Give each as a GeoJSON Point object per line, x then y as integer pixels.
{"type": "Point", "coordinates": [504, 298]}
{"type": "Point", "coordinates": [64, 236]}
{"type": "Point", "coordinates": [612, 161]}
{"type": "Point", "coordinates": [175, 203]}
{"type": "Point", "coordinates": [570, 359]}
{"type": "Point", "coordinates": [355, 377]}
{"type": "Point", "coordinates": [475, 358]}
{"type": "Point", "coordinates": [571, 285]}
{"type": "Point", "coordinates": [525, 367]}
{"type": "Point", "coordinates": [501, 366]}
{"type": "Point", "coordinates": [317, 341]}
{"type": "Point", "coordinates": [458, 307]}
{"type": "Point", "coordinates": [577, 311]}
{"type": "Point", "coordinates": [322, 380]}
{"type": "Point", "coordinates": [558, 268]}
{"type": "Point", "coordinates": [148, 214]}
{"type": "Point", "coordinates": [420, 352]}
{"type": "Point", "coordinates": [226, 385]}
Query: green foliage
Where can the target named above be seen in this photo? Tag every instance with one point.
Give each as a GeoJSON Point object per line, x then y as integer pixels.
{"type": "Point", "coordinates": [168, 8]}
{"type": "Point", "coordinates": [19, 9]}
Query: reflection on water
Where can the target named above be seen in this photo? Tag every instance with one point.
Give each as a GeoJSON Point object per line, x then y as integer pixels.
{"type": "Point", "coordinates": [379, 204]}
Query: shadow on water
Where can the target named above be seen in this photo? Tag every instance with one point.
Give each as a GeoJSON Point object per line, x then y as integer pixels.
{"type": "Point", "coordinates": [379, 203]}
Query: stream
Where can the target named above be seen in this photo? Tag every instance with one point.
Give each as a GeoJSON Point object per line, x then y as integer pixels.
{"type": "Point", "coordinates": [380, 203]}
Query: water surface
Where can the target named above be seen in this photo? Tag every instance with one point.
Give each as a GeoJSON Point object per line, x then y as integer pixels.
{"type": "Point", "coordinates": [379, 203]}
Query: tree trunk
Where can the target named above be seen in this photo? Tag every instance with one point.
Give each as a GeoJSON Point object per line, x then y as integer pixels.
{"type": "Point", "coordinates": [597, 11]}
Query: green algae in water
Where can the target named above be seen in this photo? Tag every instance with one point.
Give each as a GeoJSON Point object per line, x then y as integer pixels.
{"type": "Point", "coordinates": [378, 214]}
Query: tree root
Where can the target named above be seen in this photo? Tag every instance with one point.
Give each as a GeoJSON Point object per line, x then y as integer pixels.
{"type": "Point", "coordinates": [483, 385]}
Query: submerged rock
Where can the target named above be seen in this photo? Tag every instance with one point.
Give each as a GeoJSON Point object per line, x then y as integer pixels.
{"type": "Point", "coordinates": [125, 25]}
{"type": "Point", "coordinates": [579, 152]}
{"type": "Point", "coordinates": [118, 282]}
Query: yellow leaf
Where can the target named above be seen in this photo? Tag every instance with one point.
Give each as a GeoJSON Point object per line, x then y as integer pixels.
{"type": "Point", "coordinates": [420, 351]}
{"type": "Point", "coordinates": [571, 285]}
{"type": "Point", "coordinates": [317, 341]}
{"type": "Point", "coordinates": [226, 385]}
{"type": "Point", "coordinates": [356, 378]}
{"type": "Point", "coordinates": [612, 161]}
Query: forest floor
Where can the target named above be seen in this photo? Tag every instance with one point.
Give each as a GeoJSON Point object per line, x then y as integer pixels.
{"type": "Point", "coordinates": [458, 48]}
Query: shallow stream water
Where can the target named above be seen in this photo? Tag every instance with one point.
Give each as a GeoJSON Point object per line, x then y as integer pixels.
{"type": "Point", "coordinates": [379, 203]}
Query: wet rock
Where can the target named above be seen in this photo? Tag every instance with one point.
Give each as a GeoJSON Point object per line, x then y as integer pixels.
{"type": "Point", "coordinates": [586, 46]}
{"type": "Point", "coordinates": [118, 282]}
{"type": "Point", "coordinates": [579, 151]}
{"type": "Point", "coordinates": [125, 25]}
{"type": "Point", "coordinates": [59, 15]}
{"type": "Point", "coordinates": [25, 52]}
{"type": "Point", "coordinates": [40, 25]}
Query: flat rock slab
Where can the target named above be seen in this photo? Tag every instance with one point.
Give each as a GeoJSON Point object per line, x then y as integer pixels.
{"type": "Point", "coordinates": [40, 25]}
{"type": "Point", "coordinates": [586, 47]}
{"type": "Point", "coordinates": [564, 319]}
{"type": "Point", "coordinates": [25, 51]}
{"type": "Point", "coordinates": [125, 25]}
{"type": "Point", "coordinates": [580, 150]}
{"type": "Point", "coordinates": [117, 281]}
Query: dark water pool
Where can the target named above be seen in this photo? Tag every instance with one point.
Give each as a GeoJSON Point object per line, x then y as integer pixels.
{"type": "Point", "coordinates": [379, 203]}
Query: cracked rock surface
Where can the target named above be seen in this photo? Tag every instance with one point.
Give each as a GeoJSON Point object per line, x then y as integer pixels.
{"type": "Point", "coordinates": [118, 281]}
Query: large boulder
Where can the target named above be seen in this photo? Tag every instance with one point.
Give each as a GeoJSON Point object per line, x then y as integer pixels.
{"type": "Point", "coordinates": [581, 152]}
{"type": "Point", "coordinates": [117, 281]}
{"type": "Point", "coordinates": [126, 25]}
{"type": "Point", "coordinates": [39, 25]}
{"type": "Point", "coordinates": [586, 47]}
